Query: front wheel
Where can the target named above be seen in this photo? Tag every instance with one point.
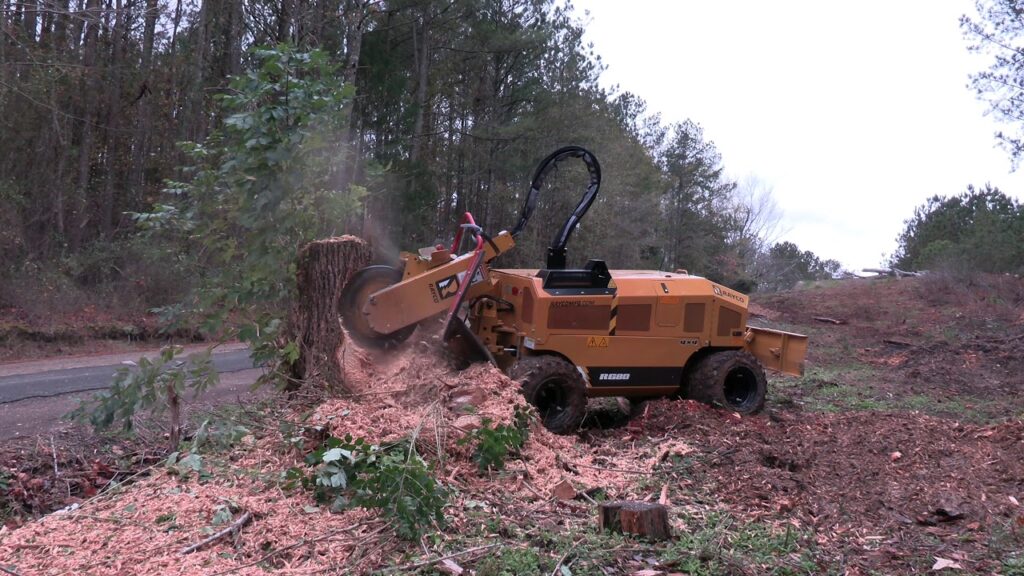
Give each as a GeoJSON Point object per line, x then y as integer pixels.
{"type": "Point", "coordinates": [556, 388]}
{"type": "Point", "coordinates": [732, 379]}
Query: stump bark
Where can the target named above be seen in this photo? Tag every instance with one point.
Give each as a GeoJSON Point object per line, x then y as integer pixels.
{"type": "Point", "coordinates": [323, 269]}
{"type": "Point", "coordinates": [638, 518]}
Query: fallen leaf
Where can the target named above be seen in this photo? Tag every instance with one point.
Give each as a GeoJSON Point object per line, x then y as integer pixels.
{"type": "Point", "coordinates": [1014, 501]}
{"type": "Point", "coordinates": [943, 563]}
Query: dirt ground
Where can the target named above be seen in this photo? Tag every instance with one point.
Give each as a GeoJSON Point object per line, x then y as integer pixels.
{"type": "Point", "coordinates": [898, 452]}
{"type": "Point", "coordinates": [881, 491]}
{"type": "Point", "coordinates": [86, 330]}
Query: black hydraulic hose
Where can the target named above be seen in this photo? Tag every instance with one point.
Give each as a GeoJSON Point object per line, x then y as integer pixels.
{"type": "Point", "coordinates": [556, 252]}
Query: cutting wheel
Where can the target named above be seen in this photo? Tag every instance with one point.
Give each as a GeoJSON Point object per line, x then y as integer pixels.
{"type": "Point", "coordinates": [356, 294]}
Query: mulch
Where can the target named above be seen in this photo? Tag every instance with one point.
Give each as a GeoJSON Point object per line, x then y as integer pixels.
{"type": "Point", "coordinates": [881, 491]}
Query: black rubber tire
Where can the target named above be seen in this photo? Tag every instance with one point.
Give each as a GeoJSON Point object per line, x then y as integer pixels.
{"type": "Point", "coordinates": [556, 388]}
{"type": "Point", "coordinates": [359, 287]}
{"type": "Point", "coordinates": [731, 379]}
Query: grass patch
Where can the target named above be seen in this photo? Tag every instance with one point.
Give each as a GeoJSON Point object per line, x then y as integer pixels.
{"type": "Point", "coordinates": [848, 387]}
{"type": "Point", "coordinates": [717, 544]}
{"type": "Point", "coordinates": [1006, 543]}
{"type": "Point", "coordinates": [966, 408]}
{"type": "Point", "coordinates": [509, 561]}
{"type": "Point", "coordinates": [721, 544]}
{"type": "Point", "coordinates": [1014, 565]}
{"type": "Point", "coordinates": [830, 389]}
{"type": "Point", "coordinates": [842, 397]}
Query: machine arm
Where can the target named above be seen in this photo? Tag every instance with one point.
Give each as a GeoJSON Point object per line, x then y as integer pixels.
{"type": "Point", "coordinates": [556, 252]}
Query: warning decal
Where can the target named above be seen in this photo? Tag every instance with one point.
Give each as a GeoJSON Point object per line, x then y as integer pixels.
{"type": "Point", "coordinates": [448, 287]}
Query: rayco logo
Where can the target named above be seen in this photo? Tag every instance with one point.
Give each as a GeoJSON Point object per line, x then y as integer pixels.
{"type": "Point", "coordinates": [614, 376]}
{"type": "Point", "coordinates": [727, 294]}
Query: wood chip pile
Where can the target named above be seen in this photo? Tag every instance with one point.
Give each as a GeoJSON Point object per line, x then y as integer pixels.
{"type": "Point", "coordinates": [143, 527]}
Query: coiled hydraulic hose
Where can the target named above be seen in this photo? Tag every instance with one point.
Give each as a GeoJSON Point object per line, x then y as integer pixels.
{"type": "Point", "coordinates": [556, 252]}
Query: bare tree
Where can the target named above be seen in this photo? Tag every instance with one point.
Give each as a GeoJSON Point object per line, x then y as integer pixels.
{"type": "Point", "coordinates": [758, 216]}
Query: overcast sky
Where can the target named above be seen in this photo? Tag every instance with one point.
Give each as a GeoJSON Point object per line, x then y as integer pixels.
{"type": "Point", "coordinates": [853, 112]}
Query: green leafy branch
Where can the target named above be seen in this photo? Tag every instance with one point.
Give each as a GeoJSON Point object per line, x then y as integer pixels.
{"type": "Point", "coordinates": [155, 385]}
{"type": "Point", "coordinates": [271, 178]}
{"type": "Point", "coordinates": [493, 445]}
{"type": "Point", "coordinates": [393, 479]}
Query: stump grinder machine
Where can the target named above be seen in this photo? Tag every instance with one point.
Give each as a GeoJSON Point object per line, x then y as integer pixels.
{"type": "Point", "coordinates": [569, 334]}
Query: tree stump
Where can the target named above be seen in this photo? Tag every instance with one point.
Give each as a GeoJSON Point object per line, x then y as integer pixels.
{"type": "Point", "coordinates": [639, 518]}
{"type": "Point", "coordinates": [323, 269]}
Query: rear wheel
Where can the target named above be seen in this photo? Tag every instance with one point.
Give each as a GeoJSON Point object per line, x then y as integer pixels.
{"type": "Point", "coordinates": [732, 379]}
{"type": "Point", "coordinates": [358, 290]}
{"type": "Point", "coordinates": [556, 388]}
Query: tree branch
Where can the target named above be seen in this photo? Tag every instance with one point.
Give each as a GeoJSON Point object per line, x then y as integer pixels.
{"type": "Point", "coordinates": [417, 565]}
{"type": "Point", "coordinates": [232, 529]}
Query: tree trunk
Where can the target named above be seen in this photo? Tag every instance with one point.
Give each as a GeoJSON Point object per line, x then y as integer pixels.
{"type": "Point", "coordinates": [90, 85]}
{"type": "Point", "coordinates": [639, 518]}
{"type": "Point", "coordinates": [194, 126]}
{"type": "Point", "coordinates": [144, 97]}
{"type": "Point", "coordinates": [354, 15]}
{"type": "Point", "coordinates": [284, 20]}
{"type": "Point", "coordinates": [60, 27]}
{"type": "Point", "coordinates": [113, 137]}
{"type": "Point", "coordinates": [421, 62]}
{"type": "Point", "coordinates": [235, 31]}
{"type": "Point", "coordinates": [174, 407]}
{"type": "Point", "coordinates": [29, 20]}
{"type": "Point", "coordinates": [4, 18]}
{"type": "Point", "coordinates": [324, 267]}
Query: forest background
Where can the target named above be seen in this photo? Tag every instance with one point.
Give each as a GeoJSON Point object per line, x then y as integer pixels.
{"type": "Point", "coordinates": [175, 154]}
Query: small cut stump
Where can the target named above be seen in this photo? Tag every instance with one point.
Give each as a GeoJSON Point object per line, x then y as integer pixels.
{"type": "Point", "coordinates": [638, 518]}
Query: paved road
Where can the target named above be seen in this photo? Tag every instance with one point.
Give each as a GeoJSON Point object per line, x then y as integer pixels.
{"type": "Point", "coordinates": [34, 396]}
{"type": "Point", "coordinates": [44, 384]}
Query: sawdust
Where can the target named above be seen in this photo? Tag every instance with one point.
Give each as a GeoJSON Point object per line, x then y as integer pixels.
{"type": "Point", "coordinates": [143, 528]}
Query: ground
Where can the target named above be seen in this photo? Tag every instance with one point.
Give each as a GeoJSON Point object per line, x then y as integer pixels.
{"type": "Point", "coordinates": [89, 330]}
{"type": "Point", "coordinates": [898, 452]}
